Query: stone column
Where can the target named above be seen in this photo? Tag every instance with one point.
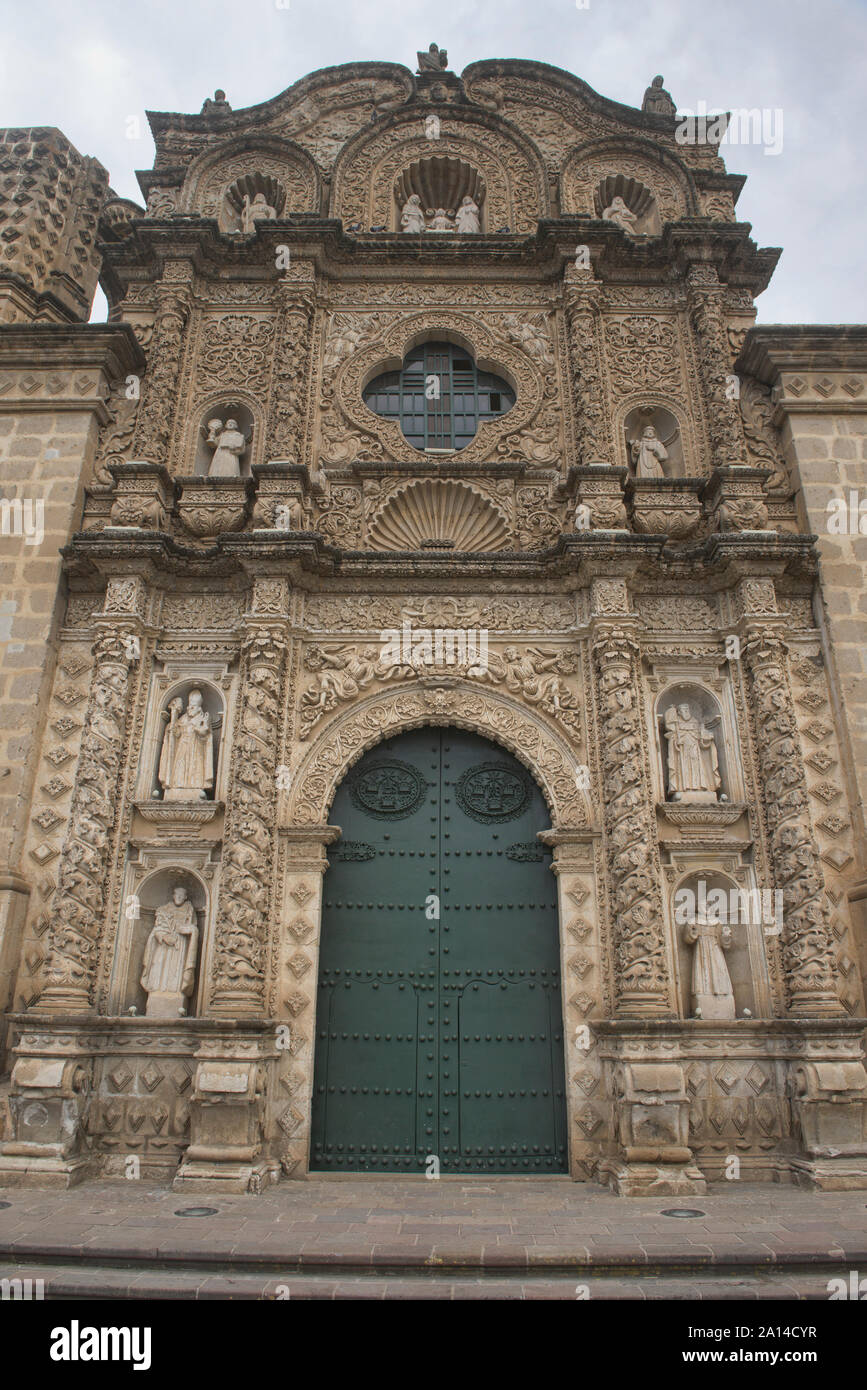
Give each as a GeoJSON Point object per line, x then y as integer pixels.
{"type": "Point", "coordinates": [86, 862]}
{"type": "Point", "coordinates": [155, 413]}
{"type": "Point", "coordinates": [642, 976]}
{"type": "Point", "coordinates": [298, 977]}
{"type": "Point", "coordinates": [807, 945]}
{"type": "Point", "coordinates": [583, 295]}
{"type": "Point", "coordinates": [707, 316]}
{"type": "Point", "coordinates": [240, 955]}
{"type": "Point", "coordinates": [287, 414]}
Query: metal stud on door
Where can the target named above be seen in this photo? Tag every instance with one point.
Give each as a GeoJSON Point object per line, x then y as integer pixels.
{"type": "Point", "coordinates": [439, 1024]}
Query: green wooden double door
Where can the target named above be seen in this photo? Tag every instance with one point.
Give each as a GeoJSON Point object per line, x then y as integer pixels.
{"type": "Point", "coordinates": [439, 1017]}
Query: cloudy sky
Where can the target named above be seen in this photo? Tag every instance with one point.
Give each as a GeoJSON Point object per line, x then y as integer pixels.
{"type": "Point", "coordinates": [89, 67]}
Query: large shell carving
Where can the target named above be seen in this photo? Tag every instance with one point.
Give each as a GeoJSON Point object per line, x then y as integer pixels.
{"type": "Point", "coordinates": [435, 514]}
{"type": "Point", "coordinates": [441, 181]}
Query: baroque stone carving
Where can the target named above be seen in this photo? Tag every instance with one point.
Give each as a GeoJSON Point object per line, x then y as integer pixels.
{"type": "Point", "coordinates": [186, 770]}
{"type": "Point", "coordinates": [241, 930]}
{"type": "Point", "coordinates": [641, 975]}
{"type": "Point", "coordinates": [807, 945]}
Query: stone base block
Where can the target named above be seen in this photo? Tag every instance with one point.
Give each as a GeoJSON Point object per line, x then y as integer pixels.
{"type": "Point", "coordinates": [204, 1176]}
{"type": "Point", "coordinates": [651, 1179]}
{"type": "Point", "coordinates": [830, 1174]}
{"type": "Point", "coordinates": [26, 1171]}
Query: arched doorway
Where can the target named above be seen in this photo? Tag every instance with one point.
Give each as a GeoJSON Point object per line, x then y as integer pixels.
{"type": "Point", "coordinates": [439, 1017]}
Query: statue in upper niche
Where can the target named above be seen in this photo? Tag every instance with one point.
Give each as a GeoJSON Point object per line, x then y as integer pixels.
{"type": "Point", "coordinates": [412, 215]}
{"type": "Point", "coordinates": [186, 770]}
{"type": "Point", "coordinates": [467, 218]}
{"type": "Point", "coordinates": [228, 444]}
{"type": "Point", "coordinates": [435, 60]}
{"type": "Point", "coordinates": [620, 215]}
{"type": "Point", "coordinates": [647, 454]}
{"type": "Point", "coordinates": [259, 210]}
{"type": "Point", "coordinates": [657, 100]}
{"type": "Point", "coordinates": [693, 761]}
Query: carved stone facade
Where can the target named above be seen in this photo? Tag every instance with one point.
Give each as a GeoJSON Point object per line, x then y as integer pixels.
{"type": "Point", "coordinates": [623, 563]}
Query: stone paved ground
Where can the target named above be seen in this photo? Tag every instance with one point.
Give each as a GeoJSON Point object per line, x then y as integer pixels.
{"type": "Point", "coordinates": [375, 1238]}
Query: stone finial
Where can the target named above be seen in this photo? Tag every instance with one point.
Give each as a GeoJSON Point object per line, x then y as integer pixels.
{"type": "Point", "coordinates": [657, 100]}
{"type": "Point", "coordinates": [216, 106]}
{"type": "Point", "coordinates": [435, 60]}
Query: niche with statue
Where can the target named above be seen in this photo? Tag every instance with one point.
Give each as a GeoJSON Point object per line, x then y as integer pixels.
{"type": "Point", "coordinates": [223, 441]}
{"type": "Point", "coordinates": [692, 748]}
{"type": "Point", "coordinates": [188, 743]}
{"type": "Point", "coordinates": [252, 199]}
{"type": "Point", "coordinates": [654, 443]}
{"type": "Point", "coordinates": [718, 930]}
{"type": "Point", "coordinates": [629, 204]}
{"type": "Point", "coordinates": [158, 963]}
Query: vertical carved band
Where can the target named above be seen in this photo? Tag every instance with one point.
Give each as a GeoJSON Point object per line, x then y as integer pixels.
{"type": "Point", "coordinates": [85, 863]}
{"type": "Point", "coordinates": [243, 916]}
{"type": "Point", "coordinates": [641, 975]}
{"type": "Point", "coordinates": [585, 343]}
{"type": "Point", "coordinates": [707, 316]}
{"type": "Point", "coordinates": [153, 424]}
{"type": "Point", "coordinates": [808, 956]}
{"type": "Point", "coordinates": [287, 414]}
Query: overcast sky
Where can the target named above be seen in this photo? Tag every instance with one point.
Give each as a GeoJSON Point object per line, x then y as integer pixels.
{"type": "Point", "coordinates": [89, 66]}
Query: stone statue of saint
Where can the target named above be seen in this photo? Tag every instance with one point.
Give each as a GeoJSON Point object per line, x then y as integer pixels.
{"type": "Point", "coordinates": [693, 761]}
{"type": "Point", "coordinates": [657, 100]}
{"type": "Point", "coordinates": [412, 216]}
{"type": "Point", "coordinates": [620, 215]}
{"type": "Point", "coordinates": [467, 219]}
{"type": "Point", "coordinates": [186, 770]}
{"type": "Point", "coordinates": [256, 211]}
{"type": "Point", "coordinates": [648, 451]}
{"type": "Point", "coordinates": [441, 221]}
{"type": "Point", "coordinates": [228, 444]}
{"type": "Point", "coordinates": [216, 105]}
{"type": "Point", "coordinates": [435, 60]}
{"type": "Point", "coordinates": [170, 957]}
{"type": "Point", "coordinates": [712, 993]}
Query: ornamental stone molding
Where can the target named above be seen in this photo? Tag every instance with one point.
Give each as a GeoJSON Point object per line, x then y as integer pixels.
{"type": "Point", "coordinates": [531, 738]}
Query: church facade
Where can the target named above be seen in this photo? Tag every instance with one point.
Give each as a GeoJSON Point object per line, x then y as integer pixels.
{"type": "Point", "coordinates": [434, 702]}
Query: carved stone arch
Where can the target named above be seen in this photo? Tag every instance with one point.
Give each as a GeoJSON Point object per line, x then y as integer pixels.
{"type": "Point", "coordinates": [666, 176]}
{"type": "Point", "coordinates": [213, 172]}
{"type": "Point", "coordinates": [491, 352]}
{"type": "Point", "coordinates": [516, 188]}
{"type": "Point", "coordinates": [528, 735]}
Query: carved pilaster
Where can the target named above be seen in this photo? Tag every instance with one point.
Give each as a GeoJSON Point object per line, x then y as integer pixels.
{"type": "Point", "coordinates": [584, 320]}
{"type": "Point", "coordinates": [86, 864]}
{"type": "Point", "coordinates": [707, 315]}
{"type": "Point", "coordinates": [288, 390]}
{"type": "Point", "coordinates": [641, 975]}
{"type": "Point", "coordinates": [243, 914]}
{"type": "Point", "coordinates": [153, 424]}
{"type": "Point", "coordinates": [807, 947]}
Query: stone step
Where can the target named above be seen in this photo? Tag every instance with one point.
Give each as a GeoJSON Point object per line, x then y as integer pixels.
{"type": "Point", "coordinates": [144, 1279]}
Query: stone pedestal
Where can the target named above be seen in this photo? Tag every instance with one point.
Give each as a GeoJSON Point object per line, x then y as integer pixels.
{"type": "Point", "coordinates": [652, 1117]}
{"type": "Point", "coordinates": [227, 1151]}
{"type": "Point", "coordinates": [664, 506]}
{"type": "Point", "coordinates": [212, 506]}
{"type": "Point", "coordinates": [48, 1105]}
{"type": "Point", "coordinates": [734, 499]}
{"type": "Point", "coordinates": [830, 1102]}
{"type": "Point", "coordinates": [143, 495]}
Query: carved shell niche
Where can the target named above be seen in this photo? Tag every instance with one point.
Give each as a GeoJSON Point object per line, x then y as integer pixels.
{"type": "Point", "coordinates": [433, 514]}
{"type": "Point", "coordinates": [637, 197]}
{"type": "Point", "coordinates": [441, 181]}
